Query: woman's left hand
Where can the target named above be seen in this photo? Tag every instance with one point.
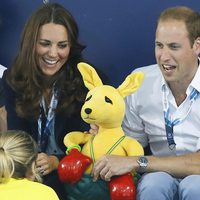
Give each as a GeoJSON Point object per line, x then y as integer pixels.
{"type": "Point", "coordinates": [46, 164]}
{"type": "Point", "coordinates": [93, 129]}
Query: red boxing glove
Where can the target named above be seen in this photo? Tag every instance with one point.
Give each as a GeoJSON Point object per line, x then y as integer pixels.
{"type": "Point", "coordinates": [72, 166]}
{"type": "Point", "coordinates": [122, 187]}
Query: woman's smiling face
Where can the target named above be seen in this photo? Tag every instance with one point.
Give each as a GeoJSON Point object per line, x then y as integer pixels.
{"type": "Point", "coordinates": [53, 48]}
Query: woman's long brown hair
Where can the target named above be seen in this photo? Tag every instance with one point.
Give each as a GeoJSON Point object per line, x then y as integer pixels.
{"type": "Point", "coordinates": [26, 78]}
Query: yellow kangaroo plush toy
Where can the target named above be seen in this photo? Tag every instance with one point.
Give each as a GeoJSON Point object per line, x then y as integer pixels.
{"type": "Point", "coordinates": [105, 107]}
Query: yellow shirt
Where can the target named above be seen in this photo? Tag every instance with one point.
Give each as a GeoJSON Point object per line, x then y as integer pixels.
{"type": "Point", "coordinates": [24, 189]}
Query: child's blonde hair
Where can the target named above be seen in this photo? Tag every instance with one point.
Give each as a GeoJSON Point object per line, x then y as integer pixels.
{"type": "Point", "coordinates": [18, 152]}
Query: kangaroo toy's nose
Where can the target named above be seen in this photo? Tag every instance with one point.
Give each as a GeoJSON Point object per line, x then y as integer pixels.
{"type": "Point", "coordinates": [88, 110]}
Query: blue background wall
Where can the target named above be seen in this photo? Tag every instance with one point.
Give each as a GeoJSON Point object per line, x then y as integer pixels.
{"type": "Point", "coordinates": [119, 34]}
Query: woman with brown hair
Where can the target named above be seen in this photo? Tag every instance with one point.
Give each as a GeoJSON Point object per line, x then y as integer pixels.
{"type": "Point", "coordinates": [44, 90]}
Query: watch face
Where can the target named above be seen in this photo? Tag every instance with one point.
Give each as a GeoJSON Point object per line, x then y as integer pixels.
{"type": "Point", "coordinates": [143, 162]}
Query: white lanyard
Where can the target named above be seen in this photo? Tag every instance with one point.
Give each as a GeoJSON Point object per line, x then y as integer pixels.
{"type": "Point", "coordinates": [50, 118]}
{"type": "Point", "coordinates": [169, 122]}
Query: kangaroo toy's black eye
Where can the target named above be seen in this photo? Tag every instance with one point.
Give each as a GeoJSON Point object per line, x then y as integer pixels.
{"type": "Point", "coordinates": [89, 98]}
{"type": "Point", "coordinates": [108, 100]}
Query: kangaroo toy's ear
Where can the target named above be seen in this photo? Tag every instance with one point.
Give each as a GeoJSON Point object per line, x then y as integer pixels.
{"type": "Point", "coordinates": [131, 83]}
{"type": "Point", "coordinates": [90, 76]}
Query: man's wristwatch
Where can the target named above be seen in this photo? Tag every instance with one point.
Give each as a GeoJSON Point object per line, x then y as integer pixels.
{"type": "Point", "coordinates": [143, 163]}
